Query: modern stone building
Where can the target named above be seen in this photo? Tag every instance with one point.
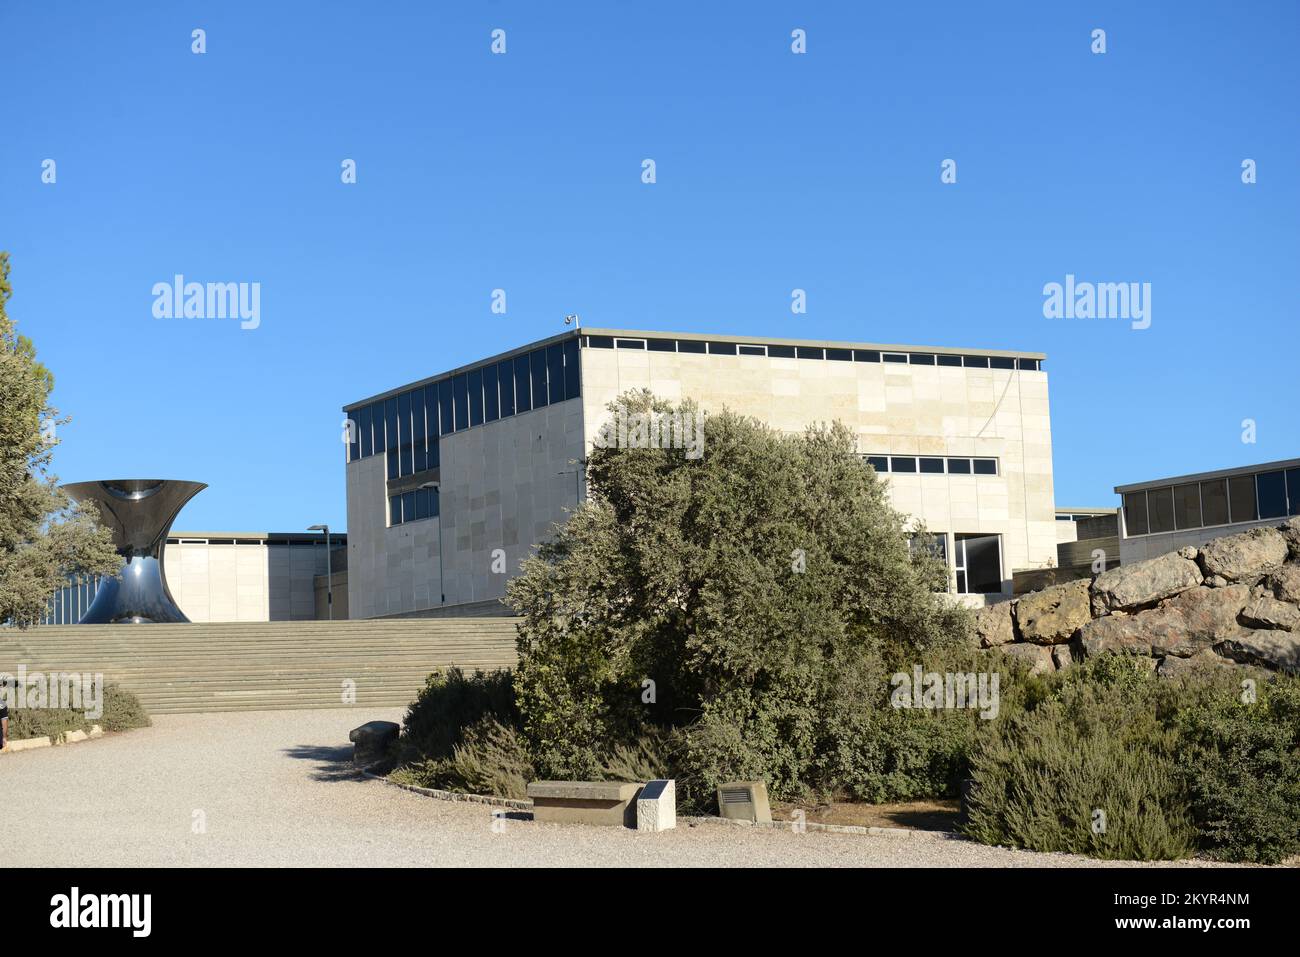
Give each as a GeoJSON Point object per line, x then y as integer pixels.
{"type": "Point", "coordinates": [236, 576]}
{"type": "Point", "coordinates": [1166, 514]}
{"type": "Point", "coordinates": [453, 479]}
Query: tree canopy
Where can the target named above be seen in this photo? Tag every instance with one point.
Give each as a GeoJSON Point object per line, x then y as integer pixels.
{"type": "Point", "coordinates": [741, 602]}
{"type": "Point", "coordinates": [43, 535]}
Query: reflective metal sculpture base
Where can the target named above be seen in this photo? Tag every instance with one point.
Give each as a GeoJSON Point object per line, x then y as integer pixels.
{"type": "Point", "coordinates": [139, 513]}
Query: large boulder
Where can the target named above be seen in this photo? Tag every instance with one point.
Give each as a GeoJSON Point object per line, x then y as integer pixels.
{"type": "Point", "coordinates": [1053, 615]}
{"type": "Point", "coordinates": [1245, 556]}
{"type": "Point", "coordinates": [1182, 626]}
{"type": "Point", "coordinates": [993, 625]}
{"type": "Point", "coordinates": [1143, 583]}
{"type": "Point", "coordinates": [373, 744]}
{"type": "Point", "coordinates": [1201, 661]}
{"type": "Point", "coordinates": [1285, 583]}
{"type": "Point", "coordinates": [1037, 657]}
{"type": "Point", "coordinates": [1291, 532]}
{"type": "Point", "coordinates": [1273, 649]}
{"type": "Point", "coordinates": [1268, 612]}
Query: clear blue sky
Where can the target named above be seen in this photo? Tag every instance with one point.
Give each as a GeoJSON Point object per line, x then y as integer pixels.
{"type": "Point", "coordinates": [523, 172]}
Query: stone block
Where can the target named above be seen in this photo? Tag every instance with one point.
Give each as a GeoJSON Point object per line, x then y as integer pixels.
{"type": "Point", "coordinates": [1143, 583]}
{"type": "Point", "coordinates": [606, 803]}
{"type": "Point", "coordinates": [656, 806]}
{"type": "Point", "coordinates": [372, 742]}
{"type": "Point", "coordinates": [1247, 555]}
{"type": "Point", "coordinates": [994, 626]}
{"type": "Point", "coordinates": [744, 801]}
{"type": "Point", "coordinates": [1053, 615]}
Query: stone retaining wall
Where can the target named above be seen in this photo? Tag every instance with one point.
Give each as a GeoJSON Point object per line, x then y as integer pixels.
{"type": "Point", "coordinates": [1233, 601]}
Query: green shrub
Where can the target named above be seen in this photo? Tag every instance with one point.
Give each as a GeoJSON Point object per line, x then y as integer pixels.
{"type": "Point", "coordinates": [449, 703]}
{"type": "Point", "coordinates": [1090, 771]}
{"type": "Point", "coordinates": [491, 758]}
{"type": "Point", "coordinates": [648, 758]}
{"type": "Point", "coordinates": [743, 584]}
{"type": "Point", "coordinates": [122, 711]}
{"type": "Point", "coordinates": [1241, 760]}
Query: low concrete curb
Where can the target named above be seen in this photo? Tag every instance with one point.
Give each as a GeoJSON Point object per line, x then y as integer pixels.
{"type": "Point", "coordinates": [905, 833]}
{"type": "Point", "coordinates": [67, 737]}
{"type": "Point", "coordinates": [454, 795]}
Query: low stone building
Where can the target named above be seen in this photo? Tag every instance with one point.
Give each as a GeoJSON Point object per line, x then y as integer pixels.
{"type": "Point", "coordinates": [1232, 601]}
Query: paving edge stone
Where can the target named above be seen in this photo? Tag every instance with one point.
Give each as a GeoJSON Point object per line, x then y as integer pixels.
{"type": "Point", "coordinates": [872, 831]}
{"type": "Point", "coordinates": [455, 796]}
{"type": "Point", "coordinates": [74, 736]}
{"type": "Point", "coordinates": [895, 832]}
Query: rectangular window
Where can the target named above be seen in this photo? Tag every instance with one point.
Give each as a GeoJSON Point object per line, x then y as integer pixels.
{"type": "Point", "coordinates": [1187, 505]}
{"type": "Point", "coordinates": [555, 371]}
{"type": "Point", "coordinates": [809, 352]}
{"type": "Point", "coordinates": [878, 462]}
{"type": "Point", "coordinates": [900, 357]}
{"type": "Point", "coordinates": [572, 373]}
{"type": "Point", "coordinates": [661, 345]}
{"type": "Point", "coordinates": [959, 466]}
{"type": "Point", "coordinates": [975, 362]}
{"type": "Point", "coordinates": [506, 386]}
{"type": "Point", "coordinates": [491, 395]}
{"type": "Point", "coordinates": [460, 397]}
{"type": "Point", "coordinates": [902, 463]}
{"type": "Point", "coordinates": [866, 355]}
{"type": "Point", "coordinates": [404, 437]}
{"type": "Point", "coordinates": [1027, 365]}
{"type": "Point", "coordinates": [1135, 513]}
{"type": "Point", "coordinates": [434, 458]}
{"type": "Point", "coordinates": [1271, 494]}
{"type": "Point", "coordinates": [1214, 502]}
{"type": "Point", "coordinates": [1002, 362]}
{"type": "Point", "coordinates": [1241, 498]}
{"type": "Point", "coordinates": [421, 503]}
{"type": "Point", "coordinates": [364, 427]}
{"type": "Point", "coordinates": [690, 345]}
{"type": "Point", "coordinates": [595, 342]}
{"type": "Point", "coordinates": [780, 352]}
{"type": "Point", "coordinates": [537, 363]}
{"type": "Point", "coordinates": [722, 348]}
{"type": "Point", "coordinates": [408, 507]}
{"type": "Point", "coordinates": [390, 437]}
{"type": "Point", "coordinates": [523, 390]}
{"type": "Point", "coordinates": [752, 350]}
{"type": "Point", "coordinates": [395, 510]}
{"type": "Point", "coordinates": [446, 421]}
{"type": "Point", "coordinates": [1160, 509]}
{"type": "Point", "coordinates": [950, 360]}
{"type": "Point", "coordinates": [986, 466]}
{"type": "Point", "coordinates": [627, 344]}
{"type": "Point", "coordinates": [1293, 489]}
{"type": "Point", "coordinates": [979, 564]}
{"type": "Point", "coordinates": [922, 359]}
{"type": "Point", "coordinates": [433, 502]}
{"type": "Point", "coordinates": [932, 466]}
{"type": "Point", "coordinates": [839, 355]}
{"type": "Point", "coordinates": [474, 385]}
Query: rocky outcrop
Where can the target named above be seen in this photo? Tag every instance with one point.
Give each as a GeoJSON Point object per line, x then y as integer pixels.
{"type": "Point", "coordinates": [1133, 586]}
{"type": "Point", "coordinates": [1053, 615]}
{"type": "Point", "coordinates": [1245, 556]}
{"type": "Point", "coordinates": [1232, 602]}
{"type": "Point", "coordinates": [993, 625]}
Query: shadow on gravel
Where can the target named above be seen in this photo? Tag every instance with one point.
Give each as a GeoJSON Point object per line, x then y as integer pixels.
{"type": "Point", "coordinates": [332, 763]}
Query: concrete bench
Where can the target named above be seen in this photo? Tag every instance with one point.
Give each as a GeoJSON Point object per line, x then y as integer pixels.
{"type": "Point", "coordinates": [584, 802]}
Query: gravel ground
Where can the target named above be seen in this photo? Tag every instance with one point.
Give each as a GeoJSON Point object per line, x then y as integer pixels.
{"type": "Point", "coordinates": [276, 789]}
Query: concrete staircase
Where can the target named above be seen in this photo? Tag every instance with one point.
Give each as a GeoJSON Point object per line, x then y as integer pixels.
{"type": "Point", "coordinates": [265, 666]}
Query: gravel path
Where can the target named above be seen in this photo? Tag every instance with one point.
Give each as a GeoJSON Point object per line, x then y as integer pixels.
{"type": "Point", "coordinates": [276, 789]}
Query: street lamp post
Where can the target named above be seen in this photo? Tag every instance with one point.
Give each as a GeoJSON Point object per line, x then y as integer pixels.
{"type": "Point", "coordinates": [442, 587]}
{"type": "Point", "coordinates": [329, 569]}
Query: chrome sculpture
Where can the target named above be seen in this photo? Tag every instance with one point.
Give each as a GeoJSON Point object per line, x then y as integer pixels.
{"type": "Point", "coordinates": [139, 513]}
